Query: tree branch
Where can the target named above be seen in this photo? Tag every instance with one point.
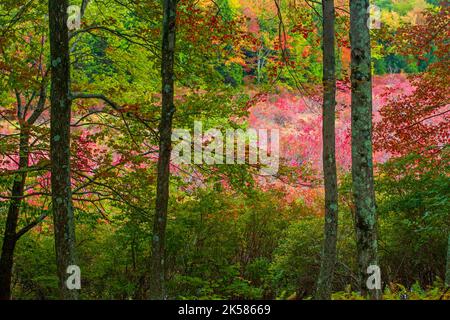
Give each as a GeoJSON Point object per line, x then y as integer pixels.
{"type": "Point", "coordinates": [30, 226]}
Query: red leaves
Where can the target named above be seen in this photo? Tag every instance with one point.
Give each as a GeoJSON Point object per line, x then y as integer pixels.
{"type": "Point", "coordinates": [301, 29]}
{"type": "Point", "coordinates": [418, 121]}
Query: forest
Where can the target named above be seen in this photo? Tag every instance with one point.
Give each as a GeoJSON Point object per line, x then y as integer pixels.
{"type": "Point", "coordinates": [224, 150]}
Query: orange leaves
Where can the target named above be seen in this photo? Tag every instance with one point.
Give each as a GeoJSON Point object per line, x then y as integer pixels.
{"type": "Point", "coordinates": [306, 51]}
{"type": "Point", "coordinates": [238, 60]}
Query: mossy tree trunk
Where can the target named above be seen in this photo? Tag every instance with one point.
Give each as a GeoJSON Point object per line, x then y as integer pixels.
{"type": "Point", "coordinates": [325, 280]}
{"type": "Point", "coordinates": [362, 163]}
{"type": "Point", "coordinates": [63, 217]}
{"type": "Point", "coordinates": [157, 290]}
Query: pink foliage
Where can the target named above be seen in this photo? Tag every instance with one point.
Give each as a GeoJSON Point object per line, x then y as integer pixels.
{"type": "Point", "coordinates": [299, 120]}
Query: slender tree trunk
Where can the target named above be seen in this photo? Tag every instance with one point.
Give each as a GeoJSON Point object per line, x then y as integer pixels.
{"type": "Point", "coordinates": [10, 236]}
{"type": "Point", "coordinates": [63, 218]}
{"type": "Point", "coordinates": [362, 164]}
{"type": "Point", "coordinates": [447, 272]}
{"type": "Point", "coordinates": [157, 290]}
{"type": "Point", "coordinates": [325, 280]}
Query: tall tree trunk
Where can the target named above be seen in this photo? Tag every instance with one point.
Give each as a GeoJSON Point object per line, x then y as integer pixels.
{"type": "Point", "coordinates": [157, 290]}
{"type": "Point", "coordinates": [325, 280]}
{"type": "Point", "coordinates": [63, 218]}
{"type": "Point", "coordinates": [362, 164]}
{"type": "Point", "coordinates": [10, 236]}
{"type": "Point", "coordinates": [447, 272]}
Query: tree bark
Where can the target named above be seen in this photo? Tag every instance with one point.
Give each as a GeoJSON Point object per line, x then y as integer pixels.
{"type": "Point", "coordinates": [63, 218]}
{"type": "Point", "coordinates": [325, 280]}
{"type": "Point", "coordinates": [362, 163]}
{"type": "Point", "coordinates": [10, 236]}
{"type": "Point", "coordinates": [157, 290]}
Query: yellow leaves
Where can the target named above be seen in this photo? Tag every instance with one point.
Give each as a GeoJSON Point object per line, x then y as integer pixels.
{"type": "Point", "coordinates": [238, 60]}
{"type": "Point", "coordinates": [415, 16]}
{"type": "Point", "coordinates": [391, 18]}
{"type": "Point", "coordinates": [234, 4]}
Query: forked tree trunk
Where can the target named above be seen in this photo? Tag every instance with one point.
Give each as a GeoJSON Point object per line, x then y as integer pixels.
{"type": "Point", "coordinates": [362, 163]}
{"type": "Point", "coordinates": [325, 280]}
{"type": "Point", "coordinates": [63, 218]}
{"type": "Point", "coordinates": [10, 236]}
{"type": "Point", "coordinates": [157, 290]}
